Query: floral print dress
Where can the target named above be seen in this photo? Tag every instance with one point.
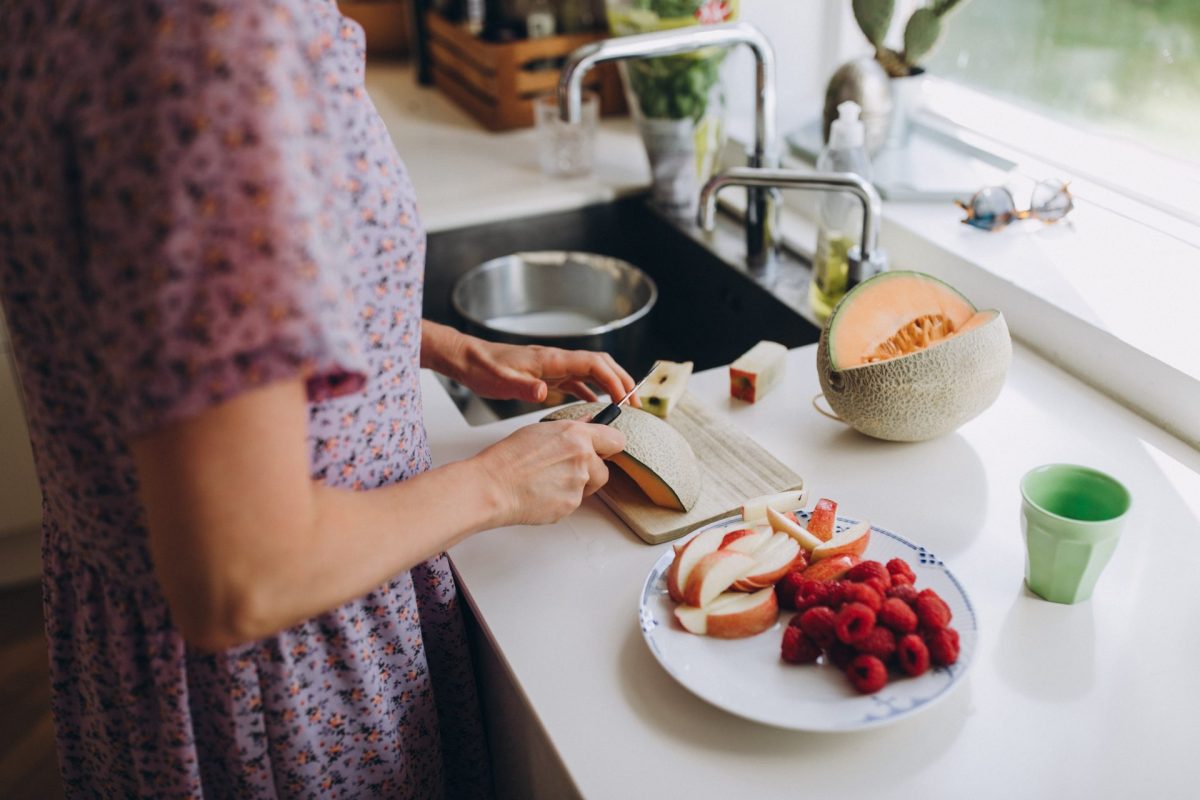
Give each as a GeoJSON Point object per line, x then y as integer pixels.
{"type": "Point", "coordinates": [197, 198]}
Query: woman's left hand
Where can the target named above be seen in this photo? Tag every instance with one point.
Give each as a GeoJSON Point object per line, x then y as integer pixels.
{"type": "Point", "coordinates": [513, 372]}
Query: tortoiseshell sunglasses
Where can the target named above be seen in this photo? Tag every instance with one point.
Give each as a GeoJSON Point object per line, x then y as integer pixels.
{"type": "Point", "coordinates": [994, 207]}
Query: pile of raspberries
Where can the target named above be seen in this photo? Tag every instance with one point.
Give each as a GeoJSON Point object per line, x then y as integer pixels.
{"type": "Point", "coordinates": [871, 620]}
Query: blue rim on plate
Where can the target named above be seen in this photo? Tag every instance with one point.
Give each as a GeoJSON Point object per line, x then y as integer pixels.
{"type": "Point", "coordinates": [747, 677]}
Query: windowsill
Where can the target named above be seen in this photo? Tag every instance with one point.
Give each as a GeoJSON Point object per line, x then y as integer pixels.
{"type": "Point", "coordinates": [1104, 294]}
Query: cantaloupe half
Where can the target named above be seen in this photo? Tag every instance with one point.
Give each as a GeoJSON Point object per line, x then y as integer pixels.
{"type": "Point", "coordinates": [656, 456]}
{"type": "Point", "coordinates": [906, 357]}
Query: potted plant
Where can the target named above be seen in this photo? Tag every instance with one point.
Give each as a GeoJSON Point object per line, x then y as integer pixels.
{"type": "Point", "coordinates": [677, 101]}
{"type": "Point", "coordinates": [921, 33]}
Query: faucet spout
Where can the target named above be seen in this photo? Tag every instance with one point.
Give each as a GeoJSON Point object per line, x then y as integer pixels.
{"type": "Point", "coordinates": [684, 40]}
{"type": "Point", "coordinates": [870, 253]}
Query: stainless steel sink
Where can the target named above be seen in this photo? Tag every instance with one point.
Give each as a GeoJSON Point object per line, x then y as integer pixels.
{"type": "Point", "coordinates": [710, 307]}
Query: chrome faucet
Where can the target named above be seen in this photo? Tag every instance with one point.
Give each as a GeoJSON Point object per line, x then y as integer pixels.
{"type": "Point", "coordinates": [869, 258]}
{"type": "Point", "coordinates": [683, 40]}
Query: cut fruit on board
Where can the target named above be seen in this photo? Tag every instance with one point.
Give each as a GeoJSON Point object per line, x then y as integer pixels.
{"type": "Point", "coordinates": [733, 467]}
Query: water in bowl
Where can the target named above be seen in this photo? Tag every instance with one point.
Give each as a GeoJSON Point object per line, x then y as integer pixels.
{"type": "Point", "coordinates": [551, 322]}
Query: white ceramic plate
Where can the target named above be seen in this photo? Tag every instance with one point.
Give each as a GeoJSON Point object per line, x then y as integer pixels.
{"type": "Point", "coordinates": [747, 677]}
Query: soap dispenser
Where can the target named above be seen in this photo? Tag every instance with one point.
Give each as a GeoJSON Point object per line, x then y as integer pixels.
{"type": "Point", "coordinates": [840, 218]}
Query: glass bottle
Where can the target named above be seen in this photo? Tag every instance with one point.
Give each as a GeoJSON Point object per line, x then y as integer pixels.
{"type": "Point", "coordinates": [840, 222]}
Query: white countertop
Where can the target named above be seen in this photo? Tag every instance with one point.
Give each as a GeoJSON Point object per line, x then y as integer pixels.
{"type": "Point", "coordinates": [1074, 701]}
{"type": "Point", "coordinates": [1091, 700]}
{"type": "Point", "coordinates": [465, 175]}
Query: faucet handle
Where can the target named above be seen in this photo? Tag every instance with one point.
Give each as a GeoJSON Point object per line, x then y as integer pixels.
{"type": "Point", "coordinates": [861, 268]}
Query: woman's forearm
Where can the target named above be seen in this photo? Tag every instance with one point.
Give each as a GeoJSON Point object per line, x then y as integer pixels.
{"type": "Point", "coordinates": [358, 540]}
{"type": "Point", "coordinates": [245, 543]}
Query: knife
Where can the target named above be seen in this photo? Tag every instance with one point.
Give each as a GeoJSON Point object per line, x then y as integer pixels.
{"type": "Point", "coordinates": [613, 410]}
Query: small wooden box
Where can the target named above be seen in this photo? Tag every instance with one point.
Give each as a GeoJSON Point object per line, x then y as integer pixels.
{"type": "Point", "coordinates": [494, 82]}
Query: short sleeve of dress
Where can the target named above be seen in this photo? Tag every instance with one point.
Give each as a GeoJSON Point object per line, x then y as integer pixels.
{"type": "Point", "coordinates": [213, 228]}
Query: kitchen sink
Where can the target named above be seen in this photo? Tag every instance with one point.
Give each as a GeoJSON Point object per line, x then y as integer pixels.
{"type": "Point", "coordinates": [710, 307]}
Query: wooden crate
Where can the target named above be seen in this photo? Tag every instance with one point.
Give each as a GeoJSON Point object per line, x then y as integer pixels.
{"type": "Point", "coordinates": [386, 23]}
{"type": "Point", "coordinates": [493, 82]}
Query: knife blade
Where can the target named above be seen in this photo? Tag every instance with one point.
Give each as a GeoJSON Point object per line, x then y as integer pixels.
{"type": "Point", "coordinates": [613, 410]}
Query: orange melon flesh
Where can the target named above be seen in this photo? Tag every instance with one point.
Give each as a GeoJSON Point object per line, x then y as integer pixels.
{"type": "Point", "coordinates": [895, 314]}
{"type": "Point", "coordinates": [655, 488]}
{"type": "Point", "coordinates": [924, 332]}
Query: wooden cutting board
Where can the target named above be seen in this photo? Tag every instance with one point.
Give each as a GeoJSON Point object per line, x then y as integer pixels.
{"type": "Point", "coordinates": [733, 468]}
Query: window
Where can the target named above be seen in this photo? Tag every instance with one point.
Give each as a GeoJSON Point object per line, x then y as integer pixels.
{"type": "Point", "coordinates": [1124, 68]}
{"type": "Point", "coordinates": [1107, 92]}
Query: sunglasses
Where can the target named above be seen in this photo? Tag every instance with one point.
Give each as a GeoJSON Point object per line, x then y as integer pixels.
{"type": "Point", "coordinates": [993, 208]}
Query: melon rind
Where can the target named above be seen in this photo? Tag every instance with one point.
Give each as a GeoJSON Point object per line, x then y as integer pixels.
{"type": "Point", "coordinates": [653, 451]}
{"type": "Point", "coordinates": [925, 394]}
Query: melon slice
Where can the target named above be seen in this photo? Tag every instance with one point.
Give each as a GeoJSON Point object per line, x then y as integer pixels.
{"type": "Point", "coordinates": [906, 357]}
{"type": "Point", "coordinates": [666, 386]}
{"type": "Point", "coordinates": [757, 371]}
{"type": "Point", "coordinates": [656, 456]}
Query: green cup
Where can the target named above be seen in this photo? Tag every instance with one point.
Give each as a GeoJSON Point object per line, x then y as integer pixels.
{"type": "Point", "coordinates": [1071, 517]}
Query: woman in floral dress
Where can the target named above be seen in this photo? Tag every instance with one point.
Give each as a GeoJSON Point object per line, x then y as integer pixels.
{"type": "Point", "coordinates": [211, 268]}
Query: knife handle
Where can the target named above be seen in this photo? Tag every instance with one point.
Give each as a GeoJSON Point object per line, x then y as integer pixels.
{"type": "Point", "coordinates": [607, 414]}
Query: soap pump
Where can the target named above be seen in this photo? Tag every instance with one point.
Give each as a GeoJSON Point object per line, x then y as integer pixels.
{"type": "Point", "coordinates": [840, 215]}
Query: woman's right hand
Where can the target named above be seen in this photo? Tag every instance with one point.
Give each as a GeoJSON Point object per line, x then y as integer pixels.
{"type": "Point", "coordinates": [545, 470]}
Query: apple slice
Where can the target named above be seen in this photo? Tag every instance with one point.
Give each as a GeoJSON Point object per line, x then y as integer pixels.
{"type": "Point", "coordinates": [713, 574]}
{"type": "Point", "coordinates": [746, 540]}
{"type": "Point", "coordinates": [688, 555]}
{"type": "Point", "coordinates": [830, 569]}
{"type": "Point", "coordinates": [783, 524]}
{"type": "Point", "coordinates": [822, 519]}
{"type": "Point", "coordinates": [732, 615]}
{"type": "Point", "coordinates": [694, 619]}
{"type": "Point", "coordinates": [850, 542]}
{"type": "Point", "coordinates": [772, 562]}
{"type": "Point", "coordinates": [733, 536]}
{"type": "Point", "coordinates": [755, 510]}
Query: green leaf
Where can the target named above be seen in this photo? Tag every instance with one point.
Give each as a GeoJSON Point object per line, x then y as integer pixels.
{"type": "Point", "coordinates": [920, 35]}
{"type": "Point", "coordinates": [874, 18]}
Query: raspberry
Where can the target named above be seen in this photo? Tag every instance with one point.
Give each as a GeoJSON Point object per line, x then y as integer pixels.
{"type": "Point", "coordinates": [904, 592]}
{"type": "Point", "coordinates": [912, 655]}
{"type": "Point", "coordinates": [898, 568]}
{"type": "Point", "coordinates": [810, 593]}
{"type": "Point", "coordinates": [854, 621]}
{"type": "Point", "coordinates": [900, 579]}
{"type": "Point", "coordinates": [867, 673]}
{"type": "Point", "coordinates": [897, 615]}
{"type": "Point", "coordinates": [798, 647]}
{"type": "Point", "coordinates": [931, 610]}
{"type": "Point", "coordinates": [835, 593]}
{"type": "Point", "coordinates": [879, 586]}
{"type": "Point", "coordinates": [880, 642]}
{"type": "Point", "coordinates": [943, 645]}
{"type": "Point", "coordinates": [863, 593]}
{"type": "Point", "coordinates": [867, 570]}
{"type": "Point", "coordinates": [785, 590]}
{"type": "Point", "coordinates": [819, 622]}
{"type": "Point", "coordinates": [840, 654]}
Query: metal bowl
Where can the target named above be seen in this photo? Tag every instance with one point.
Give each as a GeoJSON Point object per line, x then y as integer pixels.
{"type": "Point", "coordinates": [563, 299]}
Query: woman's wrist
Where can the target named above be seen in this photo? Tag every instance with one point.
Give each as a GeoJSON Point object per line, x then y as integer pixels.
{"type": "Point", "coordinates": [444, 349]}
{"type": "Point", "coordinates": [477, 480]}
